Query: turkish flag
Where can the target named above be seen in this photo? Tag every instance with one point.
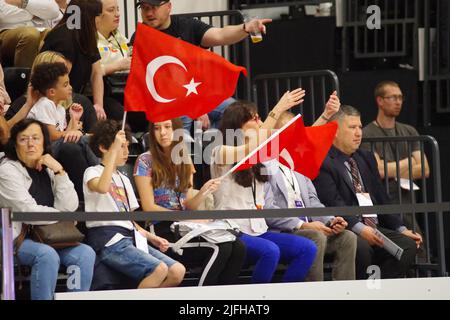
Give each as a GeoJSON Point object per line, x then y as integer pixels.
{"type": "Point", "coordinates": [170, 77]}
{"type": "Point", "coordinates": [300, 148]}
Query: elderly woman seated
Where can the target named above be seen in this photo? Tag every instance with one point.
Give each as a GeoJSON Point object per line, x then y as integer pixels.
{"type": "Point", "coordinates": [31, 180]}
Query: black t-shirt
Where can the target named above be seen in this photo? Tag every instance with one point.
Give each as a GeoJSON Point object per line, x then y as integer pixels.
{"type": "Point", "coordinates": [41, 187]}
{"type": "Point", "coordinates": [187, 29]}
{"type": "Point", "coordinates": [63, 40]}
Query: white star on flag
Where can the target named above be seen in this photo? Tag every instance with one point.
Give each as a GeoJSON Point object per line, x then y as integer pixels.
{"type": "Point", "coordinates": [192, 87]}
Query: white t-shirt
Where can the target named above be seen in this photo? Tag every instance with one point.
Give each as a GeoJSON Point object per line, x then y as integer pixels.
{"type": "Point", "coordinates": [115, 200]}
{"type": "Point", "coordinates": [232, 196]}
{"type": "Point", "coordinates": [47, 112]}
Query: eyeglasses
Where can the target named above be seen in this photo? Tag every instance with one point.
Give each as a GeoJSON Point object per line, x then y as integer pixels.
{"type": "Point", "coordinates": [23, 141]}
{"type": "Point", "coordinates": [394, 97]}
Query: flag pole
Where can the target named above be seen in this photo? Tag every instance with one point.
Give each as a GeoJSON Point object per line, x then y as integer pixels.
{"type": "Point", "coordinates": [262, 145]}
{"type": "Point", "coordinates": [124, 120]}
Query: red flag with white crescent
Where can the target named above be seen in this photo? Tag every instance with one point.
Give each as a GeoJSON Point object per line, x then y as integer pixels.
{"type": "Point", "coordinates": [170, 77]}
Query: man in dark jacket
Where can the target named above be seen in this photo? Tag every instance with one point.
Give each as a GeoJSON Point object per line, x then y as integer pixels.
{"type": "Point", "coordinates": [349, 177]}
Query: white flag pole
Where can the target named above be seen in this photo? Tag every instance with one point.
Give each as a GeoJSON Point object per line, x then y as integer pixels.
{"type": "Point", "coordinates": [262, 145]}
{"type": "Point", "coordinates": [124, 120]}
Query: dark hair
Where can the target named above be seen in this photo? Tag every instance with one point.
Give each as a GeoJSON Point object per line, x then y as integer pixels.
{"type": "Point", "coordinates": [104, 134]}
{"type": "Point", "coordinates": [45, 75]}
{"type": "Point", "coordinates": [86, 35]}
{"type": "Point", "coordinates": [164, 171]}
{"type": "Point", "coordinates": [234, 117]}
{"type": "Point", "coordinates": [10, 147]}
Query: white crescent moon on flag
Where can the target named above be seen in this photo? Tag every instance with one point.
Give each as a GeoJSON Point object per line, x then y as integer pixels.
{"type": "Point", "coordinates": [152, 68]}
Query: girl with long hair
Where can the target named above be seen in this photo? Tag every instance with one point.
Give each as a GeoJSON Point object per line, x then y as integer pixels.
{"type": "Point", "coordinates": [249, 190]}
{"type": "Point", "coordinates": [164, 179]}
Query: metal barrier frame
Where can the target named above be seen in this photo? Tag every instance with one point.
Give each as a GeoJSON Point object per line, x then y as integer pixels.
{"type": "Point", "coordinates": [436, 85]}
{"type": "Point", "coordinates": [253, 4]}
{"type": "Point", "coordinates": [435, 168]}
{"type": "Point", "coordinates": [316, 96]}
{"type": "Point", "coordinates": [353, 24]}
{"type": "Point", "coordinates": [8, 273]}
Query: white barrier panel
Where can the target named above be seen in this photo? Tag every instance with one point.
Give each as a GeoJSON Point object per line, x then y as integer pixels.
{"type": "Point", "coordinates": [392, 289]}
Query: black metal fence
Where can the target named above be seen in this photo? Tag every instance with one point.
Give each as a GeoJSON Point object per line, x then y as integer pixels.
{"type": "Point", "coordinates": [395, 38]}
{"type": "Point", "coordinates": [401, 185]}
{"type": "Point", "coordinates": [435, 15]}
{"type": "Point", "coordinates": [268, 89]}
{"type": "Point", "coordinates": [252, 4]}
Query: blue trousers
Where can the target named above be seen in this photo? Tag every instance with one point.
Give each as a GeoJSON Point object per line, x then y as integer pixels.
{"type": "Point", "coordinates": [270, 248]}
{"type": "Point", "coordinates": [45, 261]}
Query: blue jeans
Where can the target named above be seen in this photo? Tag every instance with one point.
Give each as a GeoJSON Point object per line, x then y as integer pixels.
{"type": "Point", "coordinates": [266, 250]}
{"type": "Point", "coordinates": [125, 258]}
{"type": "Point", "coordinates": [45, 262]}
{"type": "Point", "coordinates": [214, 116]}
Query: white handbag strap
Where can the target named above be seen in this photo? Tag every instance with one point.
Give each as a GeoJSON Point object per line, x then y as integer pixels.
{"type": "Point", "coordinates": [176, 247]}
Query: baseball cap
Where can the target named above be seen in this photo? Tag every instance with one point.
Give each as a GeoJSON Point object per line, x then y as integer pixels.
{"type": "Point", "coordinates": [152, 2]}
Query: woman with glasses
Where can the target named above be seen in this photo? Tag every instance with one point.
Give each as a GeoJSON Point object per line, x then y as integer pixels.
{"type": "Point", "coordinates": [31, 180]}
{"type": "Point", "coordinates": [248, 190]}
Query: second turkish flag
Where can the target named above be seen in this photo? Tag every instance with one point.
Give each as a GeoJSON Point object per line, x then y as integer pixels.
{"type": "Point", "coordinates": [170, 77]}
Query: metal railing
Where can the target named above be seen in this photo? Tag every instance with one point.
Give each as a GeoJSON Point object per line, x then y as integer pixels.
{"type": "Point", "coordinates": [430, 188]}
{"type": "Point", "coordinates": [268, 89]}
{"type": "Point", "coordinates": [253, 4]}
{"type": "Point", "coordinates": [436, 57]}
{"type": "Point", "coordinates": [396, 38]}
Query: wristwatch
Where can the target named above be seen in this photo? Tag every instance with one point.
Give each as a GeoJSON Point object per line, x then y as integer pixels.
{"type": "Point", "coordinates": [243, 27]}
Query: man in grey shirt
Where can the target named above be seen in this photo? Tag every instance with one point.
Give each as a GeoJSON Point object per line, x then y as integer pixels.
{"type": "Point", "coordinates": [389, 99]}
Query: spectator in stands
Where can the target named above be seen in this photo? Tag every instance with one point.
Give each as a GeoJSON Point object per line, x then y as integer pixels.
{"type": "Point", "coordinates": [115, 62]}
{"type": "Point", "coordinates": [62, 4]}
{"type": "Point", "coordinates": [69, 145]}
{"type": "Point", "coordinates": [389, 99]}
{"type": "Point", "coordinates": [79, 46]}
{"type": "Point", "coordinates": [6, 125]}
{"type": "Point", "coordinates": [293, 190]}
{"type": "Point", "coordinates": [156, 14]}
{"type": "Point", "coordinates": [5, 101]}
{"type": "Point", "coordinates": [106, 189]}
{"type": "Point", "coordinates": [23, 25]}
{"type": "Point", "coordinates": [165, 186]}
{"type": "Point", "coordinates": [52, 81]}
{"type": "Point", "coordinates": [349, 177]}
{"type": "Point", "coordinates": [88, 118]}
{"type": "Point", "coordinates": [248, 190]}
{"type": "Point", "coordinates": [32, 180]}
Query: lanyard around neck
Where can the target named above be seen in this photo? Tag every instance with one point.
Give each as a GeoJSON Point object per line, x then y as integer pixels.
{"type": "Point", "coordinates": [127, 204]}
{"type": "Point", "coordinates": [291, 182]}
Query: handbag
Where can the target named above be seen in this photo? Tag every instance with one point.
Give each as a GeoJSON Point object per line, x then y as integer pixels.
{"type": "Point", "coordinates": [58, 235]}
